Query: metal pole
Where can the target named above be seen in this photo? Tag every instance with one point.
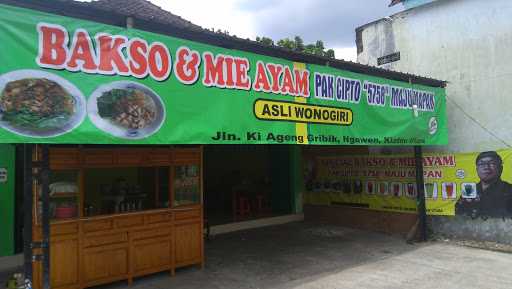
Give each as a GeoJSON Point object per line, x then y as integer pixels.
{"type": "Point", "coordinates": [27, 217]}
{"type": "Point", "coordinates": [45, 198]}
{"type": "Point", "coordinates": [420, 181]}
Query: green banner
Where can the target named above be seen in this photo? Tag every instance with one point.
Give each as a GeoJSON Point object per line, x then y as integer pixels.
{"type": "Point", "coordinates": [7, 179]}
{"type": "Point", "coordinates": [65, 80]}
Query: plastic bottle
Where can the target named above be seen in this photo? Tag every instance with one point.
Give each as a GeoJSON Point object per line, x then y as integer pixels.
{"type": "Point", "coordinates": [20, 284]}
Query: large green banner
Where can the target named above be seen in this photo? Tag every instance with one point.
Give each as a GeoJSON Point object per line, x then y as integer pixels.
{"type": "Point", "coordinates": [65, 80]}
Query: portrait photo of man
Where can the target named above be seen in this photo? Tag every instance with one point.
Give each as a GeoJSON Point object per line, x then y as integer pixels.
{"type": "Point", "coordinates": [494, 196]}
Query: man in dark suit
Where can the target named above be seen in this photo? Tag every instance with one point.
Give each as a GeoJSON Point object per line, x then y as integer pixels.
{"type": "Point", "coordinates": [494, 196]}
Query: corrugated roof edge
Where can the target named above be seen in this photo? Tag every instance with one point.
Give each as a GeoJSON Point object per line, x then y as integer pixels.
{"type": "Point", "coordinates": [80, 11]}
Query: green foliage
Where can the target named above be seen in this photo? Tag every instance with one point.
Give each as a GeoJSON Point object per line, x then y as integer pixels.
{"type": "Point", "coordinates": [265, 40]}
{"type": "Point", "coordinates": [297, 44]}
{"type": "Point", "coordinates": [330, 53]}
{"type": "Point", "coordinates": [286, 43]}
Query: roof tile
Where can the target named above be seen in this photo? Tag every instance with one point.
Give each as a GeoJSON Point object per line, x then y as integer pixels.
{"type": "Point", "coordinates": [141, 9]}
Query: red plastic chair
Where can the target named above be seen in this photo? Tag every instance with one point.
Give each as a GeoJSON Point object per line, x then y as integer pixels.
{"type": "Point", "coordinates": [262, 205]}
{"type": "Point", "coordinates": [241, 206]}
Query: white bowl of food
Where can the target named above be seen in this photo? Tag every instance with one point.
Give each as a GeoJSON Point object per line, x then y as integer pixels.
{"type": "Point", "coordinates": [36, 103]}
{"type": "Point", "coordinates": [126, 109]}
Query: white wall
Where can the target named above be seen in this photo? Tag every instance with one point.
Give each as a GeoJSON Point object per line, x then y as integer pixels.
{"type": "Point", "coordinates": [465, 42]}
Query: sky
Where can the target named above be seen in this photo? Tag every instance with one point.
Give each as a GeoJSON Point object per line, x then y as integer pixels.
{"type": "Point", "coordinates": [333, 22]}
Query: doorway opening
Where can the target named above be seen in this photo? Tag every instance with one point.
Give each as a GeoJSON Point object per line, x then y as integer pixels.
{"type": "Point", "coordinates": [246, 182]}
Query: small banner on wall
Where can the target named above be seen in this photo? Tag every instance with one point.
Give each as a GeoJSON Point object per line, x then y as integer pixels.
{"type": "Point", "coordinates": [473, 184]}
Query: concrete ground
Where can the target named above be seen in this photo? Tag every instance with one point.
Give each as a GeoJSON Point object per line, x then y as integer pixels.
{"type": "Point", "coordinates": [302, 255]}
{"type": "Point", "coordinates": [8, 266]}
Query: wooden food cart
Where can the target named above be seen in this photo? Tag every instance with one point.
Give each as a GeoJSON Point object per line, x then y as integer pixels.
{"type": "Point", "coordinates": [123, 231]}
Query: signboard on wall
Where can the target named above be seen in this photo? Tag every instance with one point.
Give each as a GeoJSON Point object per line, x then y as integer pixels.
{"type": "Point", "coordinates": [393, 57]}
{"type": "Point", "coordinates": [473, 184]}
{"type": "Point", "coordinates": [65, 80]}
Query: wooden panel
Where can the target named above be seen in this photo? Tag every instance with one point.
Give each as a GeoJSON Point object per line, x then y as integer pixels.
{"type": "Point", "coordinates": [64, 263]}
{"type": "Point", "coordinates": [106, 262]}
{"type": "Point", "coordinates": [106, 239]}
{"type": "Point", "coordinates": [132, 157]}
{"type": "Point", "coordinates": [97, 225]}
{"type": "Point", "coordinates": [186, 155]}
{"type": "Point", "coordinates": [37, 275]}
{"type": "Point", "coordinates": [187, 246]}
{"type": "Point", "coordinates": [37, 235]}
{"type": "Point", "coordinates": [97, 157]}
{"type": "Point", "coordinates": [158, 218]}
{"type": "Point", "coordinates": [151, 255]}
{"type": "Point", "coordinates": [66, 158]}
{"type": "Point", "coordinates": [63, 229]}
{"type": "Point", "coordinates": [149, 234]}
{"type": "Point", "coordinates": [129, 221]}
{"type": "Point", "coordinates": [160, 157]}
{"type": "Point", "coordinates": [186, 214]}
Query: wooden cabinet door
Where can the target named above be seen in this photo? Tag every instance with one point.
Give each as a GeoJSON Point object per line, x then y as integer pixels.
{"type": "Point", "coordinates": [152, 255]}
{"type": "Point", "coordinates": [64, 252]}
{"type": "Point", "coordinates": [104, 264]}
{"type": "Point", "coordinates": [64, 262]}
{"type": "Point", "coordinates": [188, 243]}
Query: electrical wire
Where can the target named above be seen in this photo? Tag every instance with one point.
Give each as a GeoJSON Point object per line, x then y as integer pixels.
{"type": "Point", "coordinates": [479, 124]}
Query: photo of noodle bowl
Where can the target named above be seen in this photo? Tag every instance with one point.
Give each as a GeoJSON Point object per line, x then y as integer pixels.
{"type": "Point", "coordinates": [126, 109]}
{"type": "Point", "coordinates": [39, 104]}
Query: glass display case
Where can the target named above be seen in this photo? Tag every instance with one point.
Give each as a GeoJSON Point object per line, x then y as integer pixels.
{"type": "Point", "coordinates": [163, 187]}
{"type": "Point", "coordinates": [186, 185]}
{"type": "Point", "coordinates": [125, 189]}
{"type": "Point", "coordinates": [64, 194]}
{"type": "Point", "coordinates": [98, 181]}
